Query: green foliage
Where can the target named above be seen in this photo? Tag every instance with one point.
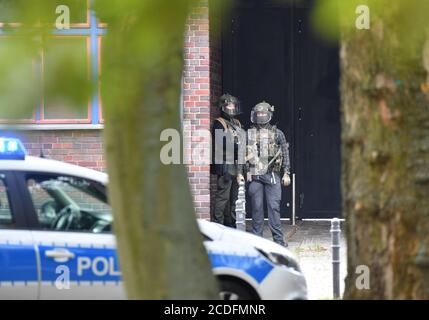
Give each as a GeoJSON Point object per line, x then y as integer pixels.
{"type": "Point", "coordinates": [152, 38]}
{"type": "Point", "coordinates": [18, 85]}
{"type": "Point", "coordinates": [405, 16]}
{"type": "Point", "coordinates": [28, 48]}
{"type": "Point", "coordinates": [43, 11]}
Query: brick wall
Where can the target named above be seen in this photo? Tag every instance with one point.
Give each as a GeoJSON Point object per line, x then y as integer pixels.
{"type": "Point", "coordinates": [196, 97]}
{"type": "Point", "coordinates": [80, 147]}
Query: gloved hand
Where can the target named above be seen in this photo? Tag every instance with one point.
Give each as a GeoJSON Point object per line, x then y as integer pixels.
{"type": "Point", "coordinates": [286, 180]}
{"type": "Point", "coordinates": [240, 178]}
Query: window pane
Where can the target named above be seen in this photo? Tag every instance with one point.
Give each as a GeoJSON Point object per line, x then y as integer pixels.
{"type": "Point", "coordinates": [6, 218]}
{"type": "Point", "coordinates": [70, 204]}
{"type": "Point", "coordinates": [19, 88]}
{"type": "Point", "coordinates": [66, 80]}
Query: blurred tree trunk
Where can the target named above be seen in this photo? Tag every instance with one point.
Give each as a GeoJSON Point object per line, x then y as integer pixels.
{"type": "Point", "coordinates": [385, 141]}
{"type": "Point", "coordinates": [160, 248]}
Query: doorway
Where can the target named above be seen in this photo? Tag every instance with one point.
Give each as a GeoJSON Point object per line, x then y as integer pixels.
{"type": "Point", "coordinates": [270, 52]}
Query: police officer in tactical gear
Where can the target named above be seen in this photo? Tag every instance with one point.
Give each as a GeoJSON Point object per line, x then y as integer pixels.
{"type": "Point", "coordinates": [268, 169]}
{"type": "Point", "coordinates": [228, 138]}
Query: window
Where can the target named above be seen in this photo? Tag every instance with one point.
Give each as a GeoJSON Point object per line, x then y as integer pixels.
{"type": "Point", "coordinates": [6, 218]}
{"type": "Point", "coordinates": [73, 51]}
{"type": "Point", "coordinates": [25, 74]}
{"type": "Point", "coordinates": [80, 45]}
{"type": "Point", "coordinates": [64, 203]}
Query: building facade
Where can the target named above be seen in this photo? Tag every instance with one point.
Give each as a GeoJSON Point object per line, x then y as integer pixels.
{"type": "Point", "coordinates": [259, 50]}
{"type": "Point", "coordinates": [76, 137]}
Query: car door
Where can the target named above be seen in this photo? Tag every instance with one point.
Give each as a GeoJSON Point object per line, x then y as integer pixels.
{"type": "Point", "coordinates": [76, 248]}
{"type": "Point", "coordinates": [18, 259]}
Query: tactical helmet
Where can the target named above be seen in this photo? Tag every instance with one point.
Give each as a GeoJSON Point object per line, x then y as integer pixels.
{"type": "Point", "coordinates": [262, 113]}
{"type": "Point", "coordinates": [229, 105]}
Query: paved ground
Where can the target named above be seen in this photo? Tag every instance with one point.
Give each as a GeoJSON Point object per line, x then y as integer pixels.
{"type": "Point", "coordinates": [311, 242]}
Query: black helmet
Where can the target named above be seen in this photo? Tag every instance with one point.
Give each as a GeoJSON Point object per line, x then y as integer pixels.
{"type": "Point", "coordinates": [262, 113]}
{"type": "Point", "coordinates": [229, 105]}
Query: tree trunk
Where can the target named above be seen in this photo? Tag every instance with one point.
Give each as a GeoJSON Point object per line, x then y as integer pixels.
{"type": "Point", "coordinates": [385, 150]}
{"type": "Point", "coordinates": [160, 248]}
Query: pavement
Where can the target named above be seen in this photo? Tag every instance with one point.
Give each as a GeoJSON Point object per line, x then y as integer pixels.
{"type": "Point", "coordinates": [310, 241]}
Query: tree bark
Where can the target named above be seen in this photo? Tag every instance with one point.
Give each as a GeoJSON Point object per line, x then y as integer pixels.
{"type": "Point", "coordinates": [160, 247]}
{"type": "Point", "coordinates": [385, 157]}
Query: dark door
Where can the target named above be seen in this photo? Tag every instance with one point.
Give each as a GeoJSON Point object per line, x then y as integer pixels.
{"type": "Point", "coordinates": [317, 140]}
{"type": "Point", "coordinates": [270, 53]}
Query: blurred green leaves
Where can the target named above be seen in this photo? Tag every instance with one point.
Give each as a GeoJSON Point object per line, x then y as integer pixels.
{"type": "Point", "coordinates": [406, 16]}
{"type": "Point", "coordinates": [39, 68]}
{"type": "Point", "coordinates": [32, 12]}
{"type": "Point", "coordinates": [150, 29]}
{"type": "Point", "coordinates": [398, 30]}
{"type": "Point", "coordinates": [150, 24]}
{"type": "Point", "coordinates": [143, 41]}
{"type": "Point", "coordinates": [66, 77]}
{"type": "Point", "coordinates": [19, 87]}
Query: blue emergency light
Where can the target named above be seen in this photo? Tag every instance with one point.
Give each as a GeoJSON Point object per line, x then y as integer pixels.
{"type": "Point", "coordinates": [11, 149]}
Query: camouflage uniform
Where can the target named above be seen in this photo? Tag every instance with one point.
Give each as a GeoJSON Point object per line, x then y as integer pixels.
{"type": "Point", "coordinates": [270, 157]}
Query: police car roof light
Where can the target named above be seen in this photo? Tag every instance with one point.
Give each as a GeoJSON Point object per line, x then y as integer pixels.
{"type": "Point", "coordinates": [11, 149]}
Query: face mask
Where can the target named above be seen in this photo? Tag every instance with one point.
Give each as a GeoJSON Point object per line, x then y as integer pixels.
{"type": "Point", "coordinates": [260, 117]}
{"type": "Point", "coordinates": [230, 110]}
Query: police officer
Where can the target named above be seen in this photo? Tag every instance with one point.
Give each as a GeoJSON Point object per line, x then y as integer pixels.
{"type": "Point", "coordinates": [268, 169]}
{"type": "Point", "coordinates": [228, 138]}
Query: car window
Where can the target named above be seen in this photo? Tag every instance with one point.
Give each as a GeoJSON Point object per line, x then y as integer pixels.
{"type": "Point", "coordinates": [65, 203]}
{"type": "Point", "coordinates": [6, 217]}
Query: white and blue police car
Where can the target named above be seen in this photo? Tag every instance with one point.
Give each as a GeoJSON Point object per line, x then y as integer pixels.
{"type": "Point", "coordinates": [56, 240]}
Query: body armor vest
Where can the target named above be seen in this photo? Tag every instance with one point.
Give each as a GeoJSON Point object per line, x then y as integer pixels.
{"type": "Point", "coordinates": [227, 124]}
{"type": "Point", "coordinates": [264, 150]}
{"type": "Point", "coordinates": [233, 128]}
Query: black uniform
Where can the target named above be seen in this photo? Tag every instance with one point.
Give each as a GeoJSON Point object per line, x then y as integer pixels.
{"type": "Point", "coordinates": [226, 168]}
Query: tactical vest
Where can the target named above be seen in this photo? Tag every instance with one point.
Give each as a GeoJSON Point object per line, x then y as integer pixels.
{"type": "Point", "coordinates": [264, 149]}
{"type": "Point", "coordinates": [236, 132]}
{"type": "Point", "coordinates": [234, 128]}
{"type": "Point", "coordinates": [226, 124]}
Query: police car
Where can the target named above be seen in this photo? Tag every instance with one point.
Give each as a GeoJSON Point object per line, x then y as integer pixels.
{"type": "Point", "coordinates": [56, 240]}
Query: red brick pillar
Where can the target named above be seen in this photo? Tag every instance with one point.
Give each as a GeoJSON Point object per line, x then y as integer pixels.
{"type": "Point", "coordinates": [196, 100]}
{"type": "Point", "coordinates": [215, 74]}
